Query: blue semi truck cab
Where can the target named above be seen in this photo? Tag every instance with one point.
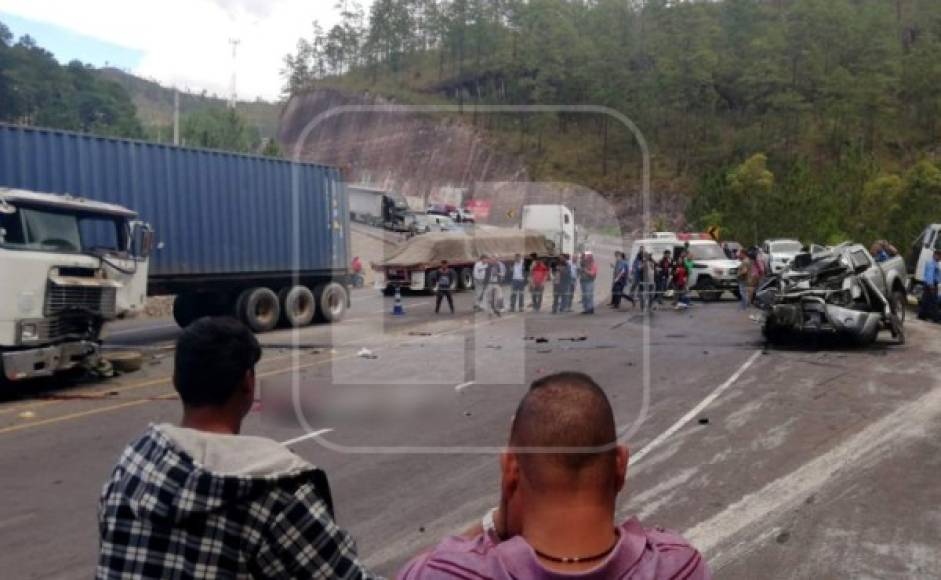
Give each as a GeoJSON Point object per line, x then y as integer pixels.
{"type": "Point", "coordinates": [69, 265]}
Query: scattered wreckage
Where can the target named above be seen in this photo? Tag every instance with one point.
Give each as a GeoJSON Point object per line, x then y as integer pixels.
{"type": "Point", "coordinates": [839, 290]}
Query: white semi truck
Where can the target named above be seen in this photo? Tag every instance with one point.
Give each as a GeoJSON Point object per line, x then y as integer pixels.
{"type": "Point", "coordinates": [67, 266]}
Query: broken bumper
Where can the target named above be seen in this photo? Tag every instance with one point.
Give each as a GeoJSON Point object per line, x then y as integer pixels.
{"type": "Point", "coordinates": [817, 317]}
{"type": "Point", "coordinates": [45, 361]}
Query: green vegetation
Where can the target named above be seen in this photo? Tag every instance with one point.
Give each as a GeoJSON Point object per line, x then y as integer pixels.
{"type": "Point", "coordinates": [37, 90]}
{"type": "Point", "coordinates": [838, 98]}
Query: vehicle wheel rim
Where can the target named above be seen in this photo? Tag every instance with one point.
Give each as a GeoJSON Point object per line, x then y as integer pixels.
{"type": "Point", "coordinates": [264, 312]}
{"type": "Point", "coordinates": [334, 303]}
{"type": "Point", "coordinates": [303, 306]}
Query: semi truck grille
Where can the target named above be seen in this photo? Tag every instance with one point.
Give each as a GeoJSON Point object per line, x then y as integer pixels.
{"type": "Point", "coordinates": [91, 299]}
{"type": "Point", "coordinates": [62, 327]}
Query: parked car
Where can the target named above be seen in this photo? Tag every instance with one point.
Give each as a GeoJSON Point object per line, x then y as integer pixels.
{"type": "Point", "coordinates": [443, 209]}
{"type": "Point", "coordinates": [838, 290]}
{"type": "Point", "coordinates": [779, 253]}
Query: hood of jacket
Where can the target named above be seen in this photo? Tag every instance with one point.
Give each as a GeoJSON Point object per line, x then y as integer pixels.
{"type": "Point", "coordinates": [175, 474]}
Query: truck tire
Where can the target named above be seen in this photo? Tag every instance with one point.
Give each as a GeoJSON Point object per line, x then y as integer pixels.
{"type": "Point", "coordinates": [331, 302]}
{"type": "Point", "coordinates": [186, 309]}
{"type": "Point", "coordinates": [259, 309]}
{"type": "Point", "coordinates": [900, 304]}
{"type": "Point", "coordinates": [466, 279]}
{"type": "Point", "coordinates": [298, 306]}
{"type": "Point", "coordinates": [708, 291]}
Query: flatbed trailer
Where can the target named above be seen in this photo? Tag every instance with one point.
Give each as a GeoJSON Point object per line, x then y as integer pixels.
{"type": "Point", "coordinates": [413, 262]}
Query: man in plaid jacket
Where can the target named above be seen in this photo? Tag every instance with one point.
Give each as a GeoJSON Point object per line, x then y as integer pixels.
{"type": "Point", "coordinates": [201, 501]}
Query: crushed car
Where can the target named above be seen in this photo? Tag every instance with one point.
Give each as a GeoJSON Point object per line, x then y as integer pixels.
{"type": "Point", "coordinates": [838, 290]}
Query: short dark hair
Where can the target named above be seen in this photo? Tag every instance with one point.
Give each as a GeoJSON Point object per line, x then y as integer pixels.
{"type": "Point", "coordinates": [567, 410]}
{"type": "Point", "coordinates": [212, 357]}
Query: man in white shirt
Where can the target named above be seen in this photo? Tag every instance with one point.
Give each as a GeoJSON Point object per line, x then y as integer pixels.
{"type": "Point", "coordinates": [480, 274]}
{"type": "Point", "coordinates": [518, 283]}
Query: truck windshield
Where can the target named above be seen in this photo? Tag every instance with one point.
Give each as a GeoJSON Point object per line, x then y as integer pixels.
{"type": "Point", "coordinates": [50, 231]}
{"type": "Point", "coordinates": [786, 247]}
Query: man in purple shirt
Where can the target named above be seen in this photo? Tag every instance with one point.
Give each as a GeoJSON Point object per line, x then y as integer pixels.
{"type": "Point", "coordinates": [560, 480]}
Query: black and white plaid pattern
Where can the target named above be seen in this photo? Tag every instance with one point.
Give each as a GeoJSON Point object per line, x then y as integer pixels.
{"type": "Point", "coordinates": [163, 516]}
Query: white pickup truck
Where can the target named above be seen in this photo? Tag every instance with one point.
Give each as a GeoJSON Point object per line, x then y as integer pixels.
{"type": "Point", "coordinates": [68, 265]}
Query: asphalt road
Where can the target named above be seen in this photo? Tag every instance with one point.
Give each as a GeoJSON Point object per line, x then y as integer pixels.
{"type": "Point", "coordinates": [814, 460]}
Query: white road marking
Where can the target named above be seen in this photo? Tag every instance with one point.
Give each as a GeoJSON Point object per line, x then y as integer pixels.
{"type": "Point", "coordinates": [760, 508]}
{"type": "Point", "coordinates": [635, 458]}
{"type": "Point", "coordinates": [311, 435]}
{"type": "Point", "coordinates": [463, 386]}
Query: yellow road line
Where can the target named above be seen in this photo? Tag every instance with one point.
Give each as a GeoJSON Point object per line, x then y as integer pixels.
{"type": "Point", "coordinates": [136, 402]}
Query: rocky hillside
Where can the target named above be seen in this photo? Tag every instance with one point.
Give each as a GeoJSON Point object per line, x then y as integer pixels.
{"type": "Point", "coordinates": [444, 158]}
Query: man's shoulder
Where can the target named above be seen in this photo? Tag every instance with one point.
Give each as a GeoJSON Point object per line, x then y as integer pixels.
{"type": "Point", "coordinates": [666, 554]}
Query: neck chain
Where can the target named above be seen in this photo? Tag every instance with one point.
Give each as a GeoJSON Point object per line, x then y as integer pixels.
{"type": "Point", "coordinates": [579, 559]}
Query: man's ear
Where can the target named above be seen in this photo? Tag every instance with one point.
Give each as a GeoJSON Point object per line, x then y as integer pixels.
{"type": "Point", "coordinates": [509, 474]}
{"type": "Point", "coordinates": [622, 458]}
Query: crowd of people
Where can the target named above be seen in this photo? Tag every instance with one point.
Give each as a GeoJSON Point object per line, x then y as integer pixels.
{"type": "Point", "coordinates": [200, 500]}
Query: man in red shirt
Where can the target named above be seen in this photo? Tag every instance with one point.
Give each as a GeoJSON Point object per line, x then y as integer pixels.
{"type": "Point", "coordinates": [556, 514]}
{"type": "Point", "coordinates": [538, 273]}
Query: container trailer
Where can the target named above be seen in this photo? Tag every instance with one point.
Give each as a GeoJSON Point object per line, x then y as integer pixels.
{"type": "Point", "coordinates": [263, 239]}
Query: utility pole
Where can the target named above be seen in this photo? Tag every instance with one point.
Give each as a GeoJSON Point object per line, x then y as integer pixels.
{"type": "Point", "coordinates": [176, 116]}
{"type": "Point", "coordinates": [233, 90]}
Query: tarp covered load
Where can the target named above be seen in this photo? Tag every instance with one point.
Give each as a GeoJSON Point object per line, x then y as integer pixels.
{"type": "Point", "coordinates": [460, 247]}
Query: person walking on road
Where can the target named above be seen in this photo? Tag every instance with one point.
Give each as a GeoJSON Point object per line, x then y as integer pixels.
{"type": "Point", "coordinates": [518, 284]}
{"type": "Point", "coordinates": [444, 280]}
{"type": "Point", "coordinates": [744, 275]}
{"type": "Point", "coordinates": [493, 292]}
{"type": "Point", "coordinates": [619, 279]}
{"type": "Point", "coordinates": [560, 284]}
{"type": "Point", "coordinates": [199, 500]}
{"type": "Point", "coordinates": [557, 513]}
{"type": "Point", "coordinates": [480, 272]}
{"type": "Point", "coordinates": [538, 273]}
{"type": "Point", "coordinates": [664, 270]}
{"type": "Point", "coordinates": [637, 269]}
{"type": "Point", "coordinates": [680, 281]}
{"type": "Point", "coordinates": [587, 273]}
{"type": "Point", "coordinates": [928, 307]}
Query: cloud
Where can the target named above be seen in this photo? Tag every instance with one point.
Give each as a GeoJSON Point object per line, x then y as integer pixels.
{"type": "Point", "coordinates": [186, 42]}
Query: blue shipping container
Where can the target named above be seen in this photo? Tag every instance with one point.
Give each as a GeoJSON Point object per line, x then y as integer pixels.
{"type": "Point", "coordinates": [216, 213]}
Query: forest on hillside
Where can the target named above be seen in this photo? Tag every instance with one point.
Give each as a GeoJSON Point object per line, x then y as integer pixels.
{"type": "Point", "coordinates": [36, 90]}
{"type": "Point", "coordinates": [830, 106]}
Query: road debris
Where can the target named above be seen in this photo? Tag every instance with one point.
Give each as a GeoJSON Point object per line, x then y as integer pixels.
{"type": "Point", "coordinates": [367, 354]}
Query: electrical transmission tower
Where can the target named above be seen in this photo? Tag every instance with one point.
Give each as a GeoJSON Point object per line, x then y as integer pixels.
{"type": "Point", "coordinates": [233, 87]}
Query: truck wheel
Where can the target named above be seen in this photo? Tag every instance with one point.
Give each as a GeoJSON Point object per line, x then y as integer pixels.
{"type": "Point", "coordinates": [331, 302]}
{"type": "Point", "coordinates": [900, 305]}
{"type": "Point", "coordinates": [297, 306]}
{"type": "Point", "coordinates": [186, 309]}
{"type": "Point", "coordinates": [259, 309]}
{"type": "Point", "coordinates": [466, 279]}
{"type": "Point", "coordinates": [708, 291]}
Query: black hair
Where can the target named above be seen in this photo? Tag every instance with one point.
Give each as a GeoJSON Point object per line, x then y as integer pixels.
{"type": "Point", "coordinates": [567, 410]}
{"type": "Point", "coordinates": [212, 357]}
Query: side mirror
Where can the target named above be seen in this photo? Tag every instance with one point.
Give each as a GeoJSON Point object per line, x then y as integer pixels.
{"type": "Point", "coordinates": [142, 239]}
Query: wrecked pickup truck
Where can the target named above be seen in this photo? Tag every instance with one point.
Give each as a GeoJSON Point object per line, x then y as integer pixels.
{"type": "Point", "coordinates": [838, 290]}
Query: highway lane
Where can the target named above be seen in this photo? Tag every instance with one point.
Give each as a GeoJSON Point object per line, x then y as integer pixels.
{"type": "Point", "coordinates": [767, 475]}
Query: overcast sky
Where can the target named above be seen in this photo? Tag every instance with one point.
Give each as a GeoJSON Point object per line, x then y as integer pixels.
{"type": "Point", "coordinates": [183, 43]}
